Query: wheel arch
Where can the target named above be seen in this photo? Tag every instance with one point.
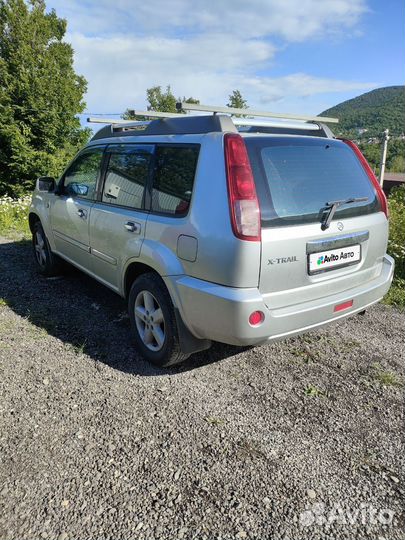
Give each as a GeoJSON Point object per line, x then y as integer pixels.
{"type": "Point", "coordinates": [32, 219]}
{"type": "Point", "coordinates": [155, 257]}
{"type": "Point", "coordinates": [132, 272]}
{"type": "Point", "coordinates": [189, 343]}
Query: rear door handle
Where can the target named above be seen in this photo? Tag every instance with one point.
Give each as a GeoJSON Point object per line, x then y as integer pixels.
{"type": "Point", "coordinates": [133, 227]}
{"type": "Point", "coordinates": [82, 213]}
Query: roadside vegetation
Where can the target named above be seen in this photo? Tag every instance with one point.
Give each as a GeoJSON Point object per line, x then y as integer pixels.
{"type": "Point", "coordinates": [14, 216]}
{"type": "Point", "coordinates": [396, 246]}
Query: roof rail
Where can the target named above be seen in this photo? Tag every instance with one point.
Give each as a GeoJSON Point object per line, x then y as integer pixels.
{"type": "Point", "coordinates": [146, 114]}
{"type": "Point", "coordinates": [184, 106]}
{"type": "Point", "coordinates": [165, 123]}
{"type": "Point", "coordinates": [175, 124]}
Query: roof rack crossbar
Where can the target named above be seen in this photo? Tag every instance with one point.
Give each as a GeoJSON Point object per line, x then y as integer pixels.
{"type": "Point", "coordinates": [278, 124]}
{"type": "Point", "coordinates": [120, 123]}
{"type": "Point", "coordinates": [250, 112]}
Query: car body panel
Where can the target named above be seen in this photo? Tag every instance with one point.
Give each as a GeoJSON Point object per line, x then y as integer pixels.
{"type": "Point", "coordinates": [222, 313]}
{"type": "Point", "coordinates": [112, 244]}
{"type": "Point", "coordinates": [70, 218]}
{"type": "Point", "coordinates": [284, 277]}
{"type": "Point", "coordinates": [215, 279]}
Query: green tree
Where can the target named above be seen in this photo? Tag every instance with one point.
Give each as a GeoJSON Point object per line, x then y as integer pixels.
{"type": "Point", "coordinates": [159, 100]}
{"type": "Point", "coordinates": [163, 101]}
{"type": "Point", "coordinates": [397, 165]}
{"type": "Point", "coordinates": [236, 101]}
{"type": "Point", "coordinates": [40, 94]}
{"type": "Point", "coordinates": [395, 155]}
{"type": "Point", "coordinates": [190, 100]}
{"type": "Point", "coordinates": [372, 152]}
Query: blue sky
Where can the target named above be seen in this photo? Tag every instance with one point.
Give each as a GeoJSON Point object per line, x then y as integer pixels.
{"type": "Point", "coordinates": [299, 56]}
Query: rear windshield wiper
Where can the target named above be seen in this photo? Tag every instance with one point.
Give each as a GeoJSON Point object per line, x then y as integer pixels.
{"type": "Point", "coordinates": [332, 206]}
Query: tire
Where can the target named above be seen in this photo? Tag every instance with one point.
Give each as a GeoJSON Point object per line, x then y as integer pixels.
{"type": "Point", "coordinates": [153, 321]}
{"type": "Point", "coordinates": [47, 263]}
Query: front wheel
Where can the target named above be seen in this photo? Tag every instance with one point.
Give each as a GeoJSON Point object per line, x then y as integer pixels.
{"type": "Point", "coordinates": [47, 263]}
{"type": "Point", "coordinates": [153, 321]}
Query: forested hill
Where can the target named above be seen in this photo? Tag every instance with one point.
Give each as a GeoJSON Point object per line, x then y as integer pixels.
{"type": "Point", "coordinates": [375, 111]}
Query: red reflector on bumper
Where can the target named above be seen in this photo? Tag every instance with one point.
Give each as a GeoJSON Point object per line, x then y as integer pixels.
{"type": "Point", "coordinates": [345, 305]}
{"type": "Point", "coordinates": [256, 318]}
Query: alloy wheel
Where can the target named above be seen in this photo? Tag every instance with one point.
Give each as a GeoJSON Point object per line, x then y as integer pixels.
{"type": "Point", "coordinates": [40, 249]}
{"type": "Point", "coordinates": [149, 321]}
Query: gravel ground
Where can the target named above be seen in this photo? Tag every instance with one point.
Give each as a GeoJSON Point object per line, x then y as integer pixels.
{"type": "Point", "coordinates": [299, 439]}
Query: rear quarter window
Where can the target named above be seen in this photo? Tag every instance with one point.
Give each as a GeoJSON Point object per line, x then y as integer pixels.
{"type": "Point", "coordinates": [174, 179]}
{"type": "Point", "coordinates": [296, 177]}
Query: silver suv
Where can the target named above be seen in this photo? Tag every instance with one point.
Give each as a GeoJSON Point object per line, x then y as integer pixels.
{"type": "Point", "coordinates": [211, 230]}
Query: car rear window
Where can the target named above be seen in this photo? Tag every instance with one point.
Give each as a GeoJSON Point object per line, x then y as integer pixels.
{"type": "Point", "coordinates": [296, 177]}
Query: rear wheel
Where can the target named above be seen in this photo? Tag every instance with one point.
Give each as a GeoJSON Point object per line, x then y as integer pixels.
{"type": "Point", "coordinates": [47, 263]}
{"type": "Point", "coordinates": [153, 321]}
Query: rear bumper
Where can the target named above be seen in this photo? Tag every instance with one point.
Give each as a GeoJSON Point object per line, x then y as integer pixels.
{"type": "Point", "coordinates": [221, 313]}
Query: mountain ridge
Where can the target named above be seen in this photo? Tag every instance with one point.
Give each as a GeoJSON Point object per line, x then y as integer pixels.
{"type": "Point", "coordinates": [374, 111]}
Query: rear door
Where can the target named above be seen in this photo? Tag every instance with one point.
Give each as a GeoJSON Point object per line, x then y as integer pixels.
{"type": "Point", "coordinates": [118, 218]}
{"type": "Point", "coordinates": [296, 178]}
{"type": "Point", "coordinates": [70, 210]}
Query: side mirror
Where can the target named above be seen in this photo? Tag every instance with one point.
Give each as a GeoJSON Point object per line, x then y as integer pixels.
{"type": "Point", "coordinates": [46, 183]}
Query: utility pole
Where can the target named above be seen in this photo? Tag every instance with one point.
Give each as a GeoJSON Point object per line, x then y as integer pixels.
{"type": "Point", "coordinates": [383, 155]}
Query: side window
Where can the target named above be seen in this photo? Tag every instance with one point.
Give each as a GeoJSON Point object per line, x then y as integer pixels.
{"type": "Point", "coordinates": [127, 175]}
{"type": "Point", "coordinates": [174, 179]}
{"type": "Point", "coordinates": [81, 178]}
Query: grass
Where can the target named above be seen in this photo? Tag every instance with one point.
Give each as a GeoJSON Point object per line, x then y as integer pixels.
{"type": "Point", "coordinates": [384, 377]}
{"type": "Point", "coordinates": [396, 294]}
{"type": "Point", "coordinates": [313, 391]}
{"type": "Point", "coordinates": [14, 217]}
{"type": "Point", "coordinates": [78, 348]}
{"type": "Point", "coordinates": [388, 378]}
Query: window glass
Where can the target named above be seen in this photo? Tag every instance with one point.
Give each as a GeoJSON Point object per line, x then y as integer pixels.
{"type": "Point", "coordinates": [127, 174]}
{"type": "Point", "coordinates": [174, 178]}
{"type": "Point", "coordinates": [296, 178]}
{"type": "Point", "coordinates": [81, 177]}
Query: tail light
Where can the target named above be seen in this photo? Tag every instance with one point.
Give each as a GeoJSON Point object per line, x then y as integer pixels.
{"type": "Point", "coordinates": [370, 174]}
{"type": "Point", "coordinates": [243, 203]}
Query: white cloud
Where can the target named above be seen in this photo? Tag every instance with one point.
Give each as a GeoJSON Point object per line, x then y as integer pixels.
{"type": "Point", "coordinates": [120, 69]}
{"type": "Point", "coordinates": [203, 48]}
{"type": "Point", "coordinates": [292, 20]}
{"type": "Point", "coordinates": [270, 89]}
